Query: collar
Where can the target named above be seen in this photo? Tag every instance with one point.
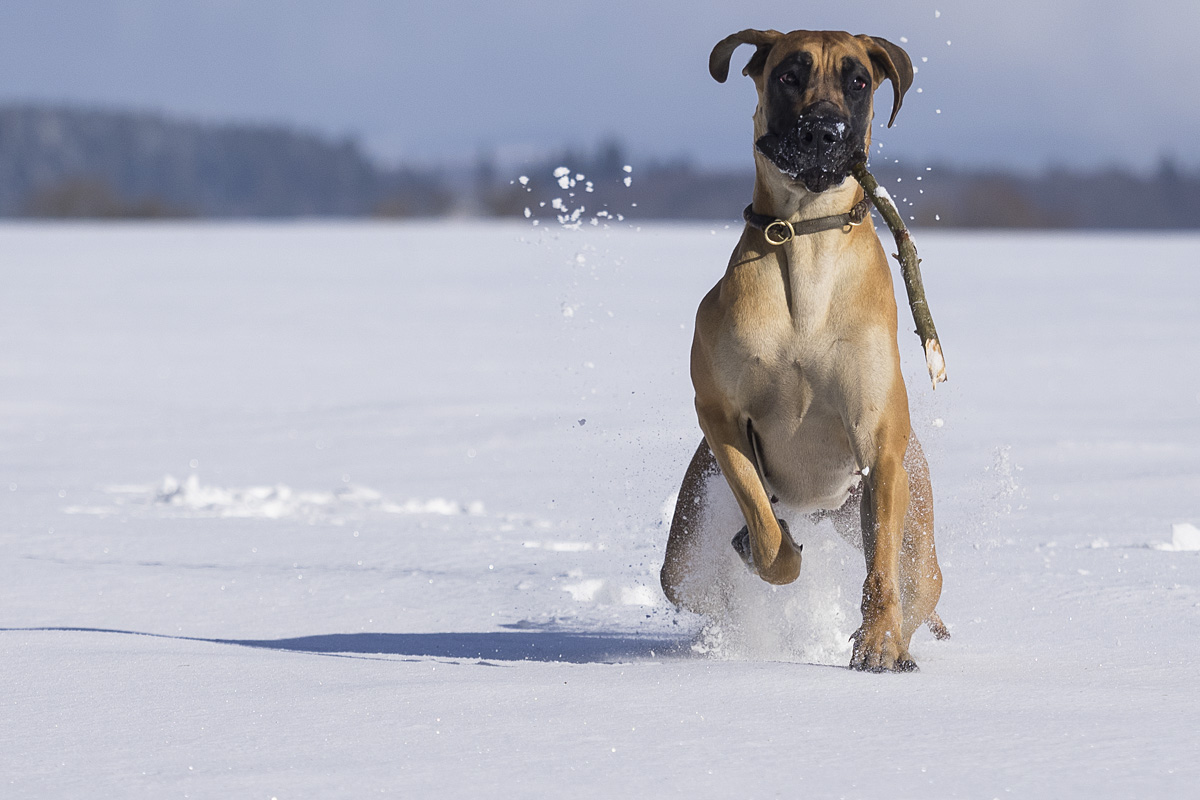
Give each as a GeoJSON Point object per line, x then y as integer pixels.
{"type": "Point", "coordinates": [780, 231]}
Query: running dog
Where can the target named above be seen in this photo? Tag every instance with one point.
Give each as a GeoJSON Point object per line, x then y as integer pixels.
{"type": "Point", "coordinates": [795, 362]}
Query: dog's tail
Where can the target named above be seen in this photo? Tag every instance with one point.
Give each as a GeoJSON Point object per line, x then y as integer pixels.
{"type": "Point", "coordinates": [939, 629]}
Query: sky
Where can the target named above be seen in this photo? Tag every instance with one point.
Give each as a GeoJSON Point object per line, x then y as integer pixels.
{"type": "Point", "coordinates": [1021, 84]}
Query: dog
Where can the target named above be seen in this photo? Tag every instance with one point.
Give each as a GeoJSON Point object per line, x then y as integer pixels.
{"type": "Point", "coordinates": [795, 362]}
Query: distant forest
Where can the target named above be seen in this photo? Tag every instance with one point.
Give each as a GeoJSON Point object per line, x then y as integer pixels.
{"type": "Point", "coordinates": [73, 163]}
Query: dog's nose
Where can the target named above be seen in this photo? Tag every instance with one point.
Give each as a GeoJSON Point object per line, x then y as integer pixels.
{"type": "Point", "coordinates": [821, 132]}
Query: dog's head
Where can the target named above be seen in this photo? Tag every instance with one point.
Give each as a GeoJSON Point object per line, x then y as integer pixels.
{"type": "Point", "coordinates": [815, 92]}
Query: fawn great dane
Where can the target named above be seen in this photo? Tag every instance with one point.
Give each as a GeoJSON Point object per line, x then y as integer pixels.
{"type": "Point", "coordinates": [795, 361]}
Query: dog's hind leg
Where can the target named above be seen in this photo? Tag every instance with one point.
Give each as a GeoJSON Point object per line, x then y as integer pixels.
{"type": "Point", "coordinates": [847, 520]}
{"type": "Point", "coordinates": [683, 544]}
{"type": "Point", "coordinates": [920, 576]}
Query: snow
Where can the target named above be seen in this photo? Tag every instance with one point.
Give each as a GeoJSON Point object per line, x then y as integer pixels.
{"type": "Point", "coordinates": [1184, 538]}
{"type": "Point", "coordinates": [300, 510]}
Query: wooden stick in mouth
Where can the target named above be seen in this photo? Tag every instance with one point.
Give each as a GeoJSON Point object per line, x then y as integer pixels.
{"type": "Point", "coordinates": [910, 268]}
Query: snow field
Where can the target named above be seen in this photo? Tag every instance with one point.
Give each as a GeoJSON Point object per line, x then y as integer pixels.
{"type": "Point", "coordinates": [335, 510]}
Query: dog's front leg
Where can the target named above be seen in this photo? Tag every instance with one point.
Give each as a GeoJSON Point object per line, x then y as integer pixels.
{"type": "Point", "coordinates": [765, 545]}
{"type": "Point", "coordinates": [878, 643]}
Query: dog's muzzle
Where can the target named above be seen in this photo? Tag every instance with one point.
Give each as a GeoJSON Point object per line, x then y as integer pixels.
{"type": "Point", "coordinates": [818, 151]}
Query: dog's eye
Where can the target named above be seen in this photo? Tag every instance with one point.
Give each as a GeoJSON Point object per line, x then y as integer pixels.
{"type": "Point", "coordinates": [858, 84]}
{"type": "Point", "coordinates": [788, 78]}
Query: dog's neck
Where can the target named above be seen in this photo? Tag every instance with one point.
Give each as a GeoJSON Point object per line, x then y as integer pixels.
{"type": "Point", "coordinates": [811, 263]}
{"type": "Point", "coordinates": [777, 196]}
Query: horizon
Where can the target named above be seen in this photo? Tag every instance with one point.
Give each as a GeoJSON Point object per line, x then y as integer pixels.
{"type": "Point", "coordinates": [517, 159]}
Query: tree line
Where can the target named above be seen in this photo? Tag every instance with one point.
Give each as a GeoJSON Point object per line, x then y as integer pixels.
{"type": "Point", "coordinates": [58, 162]}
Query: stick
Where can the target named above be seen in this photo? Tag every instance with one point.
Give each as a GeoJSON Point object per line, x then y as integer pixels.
{"type": "Point", "coordinates": [910, 268]}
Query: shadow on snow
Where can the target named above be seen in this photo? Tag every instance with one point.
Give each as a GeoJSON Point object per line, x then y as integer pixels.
{"type": "Point", "coordinates": [520, 645]}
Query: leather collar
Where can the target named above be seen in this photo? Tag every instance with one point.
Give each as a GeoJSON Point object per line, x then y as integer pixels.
{"type": "Point", "coordinates": [780, 231]}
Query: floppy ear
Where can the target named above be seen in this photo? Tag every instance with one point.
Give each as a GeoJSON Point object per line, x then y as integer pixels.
{"type": "Point", "coordinates": [718, 61]}
{"type": "Point", "coordinates": [896, 66]}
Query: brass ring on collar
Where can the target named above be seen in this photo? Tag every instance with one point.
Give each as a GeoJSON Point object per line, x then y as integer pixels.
{"type": "Point", "coordinates": [785, 234]}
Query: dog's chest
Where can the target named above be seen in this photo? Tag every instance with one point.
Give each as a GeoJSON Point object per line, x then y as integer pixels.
{"type": "Point", "coordinates": [781, 365]}
{"type": "Point", "coordinates": [788, 383]}
{"type": "Point", "coordinates": [791, 352]}
{"type": "Point", "coordinates": [786, 331]}
{"type": "Point", "coordinates": [796, 351]}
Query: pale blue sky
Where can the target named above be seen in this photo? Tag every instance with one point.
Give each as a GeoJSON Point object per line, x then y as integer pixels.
{"type": "Point", "coordinates": [1022, 83]}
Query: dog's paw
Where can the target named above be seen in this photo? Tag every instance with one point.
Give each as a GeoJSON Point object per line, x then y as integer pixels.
{"type": "Point", "coordinates": [741, 545]}
{"type": "Point", "coordinates": [939, 629]}
{"type": "Point", "coordinates": [878, 652]}
{"type": "Point", "coordinates": [790, 553]}
{"type": "Point", "coordinates": [787, 535]}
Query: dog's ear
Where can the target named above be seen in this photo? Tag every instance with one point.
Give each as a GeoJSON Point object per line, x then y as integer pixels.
{"type": "Point", "coordinates": [718, 61]}
{"type": "Point", "coordinates": [896, 66]}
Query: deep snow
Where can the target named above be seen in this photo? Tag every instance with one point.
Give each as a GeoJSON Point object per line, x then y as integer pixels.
{"type": "Point", "coordinates": [336, 510]}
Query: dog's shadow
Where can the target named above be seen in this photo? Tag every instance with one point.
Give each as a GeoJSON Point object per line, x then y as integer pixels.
{"type": "Point", "coordinates": [513, 645]}
{"type": "Point", "coordinates": [546, 644]}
